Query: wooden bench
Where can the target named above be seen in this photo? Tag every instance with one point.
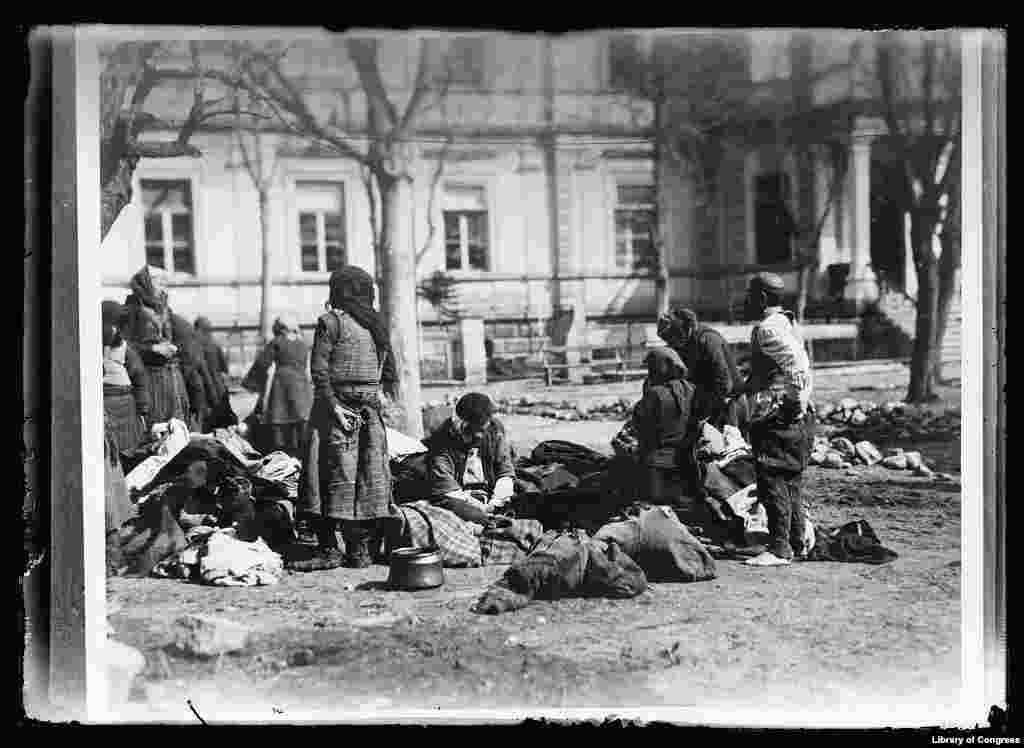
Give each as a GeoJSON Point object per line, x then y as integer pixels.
{"type": "Point", "coordinates": [613, 363]}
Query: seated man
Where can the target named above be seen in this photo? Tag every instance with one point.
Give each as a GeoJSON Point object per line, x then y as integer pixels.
{"type": "Point", "coordinates": [469, 463]}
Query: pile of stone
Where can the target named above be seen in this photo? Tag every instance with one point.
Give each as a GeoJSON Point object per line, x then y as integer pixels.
{"type": "Point", "coordinates": [842, 453]}
{"type": "Point", "coordinates": [891, 419]}
{"type": "Point", "coordinates": [608, 410]}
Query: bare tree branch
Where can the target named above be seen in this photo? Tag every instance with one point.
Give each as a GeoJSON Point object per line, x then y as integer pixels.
{"type": "Point", "coordinates": [435, 182]}
{"type": "Point", "coordinates": [363, 53]}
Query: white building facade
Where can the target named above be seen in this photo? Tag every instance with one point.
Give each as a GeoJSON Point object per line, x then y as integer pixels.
{"type": "Point", "coordinates": [547, 198]}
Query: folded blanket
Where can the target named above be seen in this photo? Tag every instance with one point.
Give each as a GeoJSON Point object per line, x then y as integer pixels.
{"type": "Point", "coordinates": [565, 564]}
{"type": "Point", "coordinates": [455, 538]}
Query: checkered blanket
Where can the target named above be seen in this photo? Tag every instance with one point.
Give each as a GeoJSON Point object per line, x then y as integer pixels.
{"type": "Point", "coordinates": [509, 544]}
{"type": "Point", "coordinates": [455, 538]}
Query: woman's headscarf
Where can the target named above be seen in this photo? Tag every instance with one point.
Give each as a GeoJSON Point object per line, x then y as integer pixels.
{"type": "Point", "coordinates": [148, 292]}
{"type": "Point", "coordinates": [285, 324]}
{"type": "Point", "coordinates": [677, 325]}
{"type": "Point", "coordinates": [352, 291]}
{"type": "Point", "coordinates": [203, 325]}
{"type": "Point", "coordinates": [666, 368]}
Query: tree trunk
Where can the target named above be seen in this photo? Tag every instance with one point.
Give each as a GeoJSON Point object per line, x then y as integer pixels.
{"type": "Point", "coordinates": [398, 302]}
{"type": "Point", "coordinates": [116, 193]}
{"type": "Point", "coordinates": [948, 286]}
{"type": "Point", "coordinates": [266, 281]}
{"type": "Point", "coordinates": [922, 368]}
{"type": "Point", "coordinates": [661, 281]}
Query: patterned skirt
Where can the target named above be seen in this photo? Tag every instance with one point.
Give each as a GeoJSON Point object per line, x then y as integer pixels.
{"type": "Point", "coordinates": [124, 424]}
{"type": "Point", "coordinates": [347, 476]}
{"type": "Point", "coordinates": [168, 397]}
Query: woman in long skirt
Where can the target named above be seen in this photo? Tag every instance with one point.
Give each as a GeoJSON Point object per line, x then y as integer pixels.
{"type": "Point", "coordinates": [147, 327]}
{"type": "Point", "coordinates": [125, 386]}
{"type": "Point", "coordinates": [348, 477]}
{"type": "Point", "coordinates": [290, 395]}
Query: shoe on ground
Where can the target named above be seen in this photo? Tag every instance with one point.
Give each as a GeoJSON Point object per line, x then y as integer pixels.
{"type": "Point", "coordinates": [767, 559]}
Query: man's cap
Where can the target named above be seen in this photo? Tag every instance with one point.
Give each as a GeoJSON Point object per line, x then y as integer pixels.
{"type": "Point", "coordinates": [203, 323]}
{"type": "Point", "coordinates": [768, 282]}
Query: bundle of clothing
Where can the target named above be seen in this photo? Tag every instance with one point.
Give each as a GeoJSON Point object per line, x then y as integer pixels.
{"type": "Point", "coordinates": [218, 557]}
{"type": "Point", "coordinates": [645, 544]}
{"type": "Point", "coordinates": [213, 482]}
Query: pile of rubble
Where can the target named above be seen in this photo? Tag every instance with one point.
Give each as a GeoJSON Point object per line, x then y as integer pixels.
{"type": "Point", "coordinates": [618, 409]}
{"type": "Point", "coordinates": [890, 420]}
{"type": "Point", "coordinates": [842, 453]}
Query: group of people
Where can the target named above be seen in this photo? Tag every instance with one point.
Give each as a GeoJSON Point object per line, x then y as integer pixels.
{"type": "Point", "coordinates": [694, 379]}
{"type": "Point", "coordinates": [157, 367]}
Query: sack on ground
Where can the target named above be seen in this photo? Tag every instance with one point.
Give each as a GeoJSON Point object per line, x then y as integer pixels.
{"type": "Point", "coordinates": [662, 546]}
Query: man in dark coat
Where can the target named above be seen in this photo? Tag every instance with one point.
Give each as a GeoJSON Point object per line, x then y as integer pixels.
{"type": "Point", "coordinates": [216, 360]}
{"type": "Point", "coordinates": [193, 368]}
{"type": "Point", "coordinates": [711, 366]}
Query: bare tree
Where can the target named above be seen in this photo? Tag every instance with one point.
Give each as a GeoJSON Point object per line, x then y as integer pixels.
{"type": "Point", "coordinates": [133, 72]}
{"type": "Point", "coordinates": [387, 169]}
{"type": "Point", "coordinates": [919, 83]}
{"type": "Point", "coordinates": [261, 166]}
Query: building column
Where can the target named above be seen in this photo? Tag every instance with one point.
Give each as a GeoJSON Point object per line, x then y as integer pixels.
{"type": "Point", "coordinates": [861, 284]}
{"type": "Point", "coordinates": [474, 354]}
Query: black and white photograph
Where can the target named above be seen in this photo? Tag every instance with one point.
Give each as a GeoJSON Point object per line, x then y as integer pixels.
{"type": "Point", "coordinates": [454, 376]}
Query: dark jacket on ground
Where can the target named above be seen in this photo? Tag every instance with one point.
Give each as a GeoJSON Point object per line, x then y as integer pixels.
{"type": "Point", "coordinates": [712, 369]}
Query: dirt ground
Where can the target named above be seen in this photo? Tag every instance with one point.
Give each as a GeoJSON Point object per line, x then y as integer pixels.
{"type": "Point", "coordinates": [836, 641]}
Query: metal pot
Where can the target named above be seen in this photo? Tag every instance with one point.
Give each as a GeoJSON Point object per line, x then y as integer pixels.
{"type": "Point", "coordinates": [415, 569]}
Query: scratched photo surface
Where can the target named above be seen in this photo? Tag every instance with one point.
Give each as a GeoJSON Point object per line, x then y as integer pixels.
{"type": "Point", "coordinates": [569, 225]}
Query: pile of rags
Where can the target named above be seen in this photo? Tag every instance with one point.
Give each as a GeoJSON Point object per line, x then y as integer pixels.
{"type": "Point", "coordinates": [217, 557]}
{"type": "Point", "coordinates": [565, 564]}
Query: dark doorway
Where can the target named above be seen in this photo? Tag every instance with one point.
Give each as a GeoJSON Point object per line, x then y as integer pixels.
{"type": "Point", "coordinates": [888, 249]}
{"type": "Point", "coordinates": [773, 221]}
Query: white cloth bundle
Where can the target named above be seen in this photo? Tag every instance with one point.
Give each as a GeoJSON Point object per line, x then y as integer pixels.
{"type": "Point", "coordinates": [172, 437]}
{"type": "Point", "coordinates": [734, 446]}
{"type": "Point", "coordinates": [229, 562]}
{"type": "Point", "coordinates": [745, 505]}
{"type": "Point", "coordinates": [400, 445]}
{"type": "Point", "coordinates": [282, 469]}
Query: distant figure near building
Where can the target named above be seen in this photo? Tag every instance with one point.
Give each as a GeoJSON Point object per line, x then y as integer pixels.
{"type": "Point", "coordinates": [289, 397]}
{"type": "Point", "coordinates": [216, 360]}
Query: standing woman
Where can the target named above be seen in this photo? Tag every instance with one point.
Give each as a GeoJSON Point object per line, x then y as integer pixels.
{"type": "Point", "coordinates": [147, 327]}
{"type": "Point", "coordinates": [347, 465]}
{"type": "Point", "coordinates": [290, 396]}
{"type": "Point", "coordinates": [125, 390]}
